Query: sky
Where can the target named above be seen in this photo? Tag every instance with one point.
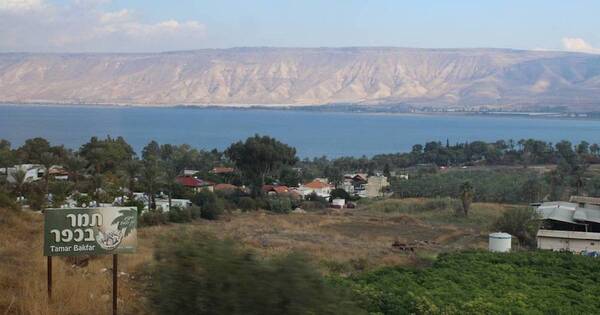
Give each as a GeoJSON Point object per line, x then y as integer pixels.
{"type": "Point", "coordinates": [153, 26]}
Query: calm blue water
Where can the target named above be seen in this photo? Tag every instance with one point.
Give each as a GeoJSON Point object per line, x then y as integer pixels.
{"type": "Point", "coordinates": [313, 134]}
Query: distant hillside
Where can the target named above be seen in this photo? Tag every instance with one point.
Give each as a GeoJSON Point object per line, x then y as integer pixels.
{"type": "Point", "coordinates": [510, 79]}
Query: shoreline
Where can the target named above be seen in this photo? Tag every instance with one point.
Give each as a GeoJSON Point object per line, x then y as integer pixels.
{"type": "Point", "coordinates": [320, 109]}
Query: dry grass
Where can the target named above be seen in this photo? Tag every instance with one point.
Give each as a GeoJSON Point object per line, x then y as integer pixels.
{"type": "Point", "coordinates": [76, 290]}
{"type": "Point", "coordinates": [346, 242]}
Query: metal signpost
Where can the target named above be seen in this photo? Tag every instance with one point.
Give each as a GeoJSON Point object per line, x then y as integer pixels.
{"type": "Point", "coordinates": [90, 231]}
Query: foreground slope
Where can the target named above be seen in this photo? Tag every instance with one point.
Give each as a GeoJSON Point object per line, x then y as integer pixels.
{"type": "Point", "coordinates": [274, 76]}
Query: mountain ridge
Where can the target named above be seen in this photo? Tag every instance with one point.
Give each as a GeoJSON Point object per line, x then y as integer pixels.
{"type": "Point", "coordinates": [441, 78]}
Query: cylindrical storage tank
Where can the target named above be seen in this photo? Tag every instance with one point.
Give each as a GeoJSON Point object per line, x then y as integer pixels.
{"type": "Point", "coordinates": [500, 242]}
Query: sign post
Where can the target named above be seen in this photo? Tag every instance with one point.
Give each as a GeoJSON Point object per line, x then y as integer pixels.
{"type": "Point", "coordinates": [90, 231]}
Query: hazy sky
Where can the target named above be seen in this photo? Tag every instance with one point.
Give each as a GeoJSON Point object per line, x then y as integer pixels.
{"type": "Point", "coordinates": [145, 25]}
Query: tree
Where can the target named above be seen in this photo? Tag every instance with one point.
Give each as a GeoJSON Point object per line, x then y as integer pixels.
{"type": "Point", "coordinates": [47, 160]}
{"type": "Point", "coordinates": [75, 166]}
{"type": "Point", "coordinates": [466, 196]}
{"type": "Point", "coordinates": [259, 157]}
{"type": "Point", "coordinates": [523, 223]}
{"type": "Point", "coordinates": [19, 181]}
{"type": "Point", "coordinates": [106, 154]}
{"type": "Point", "coordinates": [151, 180]}
{"type": "Point", "coordinates": [60, 191]}
{"type": "Point", "coordinates": [7, 158]}
{"type": "Point", "coordinates": [339, 193]}
{"type": "Point", "coordinates": [532, 190]}
{"type": "Point", "coordinates": [130, 170]}
{"type": "Point", "coordinates": [31, 151]}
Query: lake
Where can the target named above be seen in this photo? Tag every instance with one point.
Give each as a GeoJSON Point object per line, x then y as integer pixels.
{"type": "Point", "coordinates": [312, 133]}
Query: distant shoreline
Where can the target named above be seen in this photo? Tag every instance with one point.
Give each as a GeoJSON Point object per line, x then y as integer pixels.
{"type": "Point", "coordinates": [323, 108]}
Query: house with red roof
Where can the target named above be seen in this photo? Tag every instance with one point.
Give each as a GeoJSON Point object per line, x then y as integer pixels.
{"type": "Point", "coordinates": [321, 188]}
{"type": "Point", "coordinates": [194, 183]}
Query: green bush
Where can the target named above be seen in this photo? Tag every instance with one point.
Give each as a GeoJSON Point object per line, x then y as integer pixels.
{"type": "Point", "coordinates": [210, 204]}
{"type": "Point", "coordinates": [153, 217]}
{"type": "Point", "coordinates": [247, 204]}
{"type": "Point", "coordinates": [485, 283]}
{"type": "Point", "coordinates": [178, 215]}
{"type": "Point", "coordinates": [196, 273]}
{"type": "Point", "coordinates": [523, 223]}
{"type": "Point", "coordinates": [280, 204]}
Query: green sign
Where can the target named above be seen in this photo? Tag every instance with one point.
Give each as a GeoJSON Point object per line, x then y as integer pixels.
{"type": "Point", "coordinates": [90, 231]}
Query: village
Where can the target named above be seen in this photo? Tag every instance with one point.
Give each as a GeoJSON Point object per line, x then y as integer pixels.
{"type": "Point", "coordinates": [572, 225]}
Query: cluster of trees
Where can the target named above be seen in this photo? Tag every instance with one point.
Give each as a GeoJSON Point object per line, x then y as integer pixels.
{"type": "Point", "coordinates": [104, 169]}
{"type": "Point", "coordinates": [523, 152]}
{"type": "Point", "coordinates": [484, 283]}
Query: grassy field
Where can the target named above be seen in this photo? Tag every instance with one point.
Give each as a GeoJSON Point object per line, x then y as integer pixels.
{"type": "Point", "coordinates": [345, 242]}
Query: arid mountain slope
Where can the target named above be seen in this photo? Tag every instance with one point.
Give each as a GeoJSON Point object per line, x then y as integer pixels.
{"type": "Point", "coordinates": [311, 76]}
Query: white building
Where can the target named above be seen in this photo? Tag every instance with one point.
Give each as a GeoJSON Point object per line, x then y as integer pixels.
{"type": "Point", "coordinates": [570, 226]}
{"type": "Point", "coordinates": [33, 172]}
{"type": "Point", "coordinates": [320, 188]}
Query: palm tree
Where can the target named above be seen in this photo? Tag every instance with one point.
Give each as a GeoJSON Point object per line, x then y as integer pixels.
{"type": "Point", "coordinates": [131, 169]}
{"type": "Point", "coordinates": [20, 177]}
{"type": "Point", "coordinates": [466, 196]}
{"type": "Point", "coordinates": [47, 159]}
{"type": "Point", "coordinates": [75, 166]}
{"type": "Point", "coordinates": [150, 180]}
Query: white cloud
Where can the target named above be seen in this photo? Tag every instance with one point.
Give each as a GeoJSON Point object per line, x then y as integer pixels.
{"type": "Point", "coordinates": [577, 44]}
{"type": "Point", "coordinates": [16, 6]}
{"type": "Point", "coordinates": [83, 25]}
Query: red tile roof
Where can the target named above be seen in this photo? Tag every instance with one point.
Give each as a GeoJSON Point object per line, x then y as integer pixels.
{"type": "Point", "coordinates": [189, 181]}
{"type": "Point", "coordinates": [278, 189]}
{"type": "Point", "coordinates": [316, 185]}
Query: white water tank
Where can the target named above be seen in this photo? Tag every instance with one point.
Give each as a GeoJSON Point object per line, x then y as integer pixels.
{"type": "Point", "coordinates": [500, 242]}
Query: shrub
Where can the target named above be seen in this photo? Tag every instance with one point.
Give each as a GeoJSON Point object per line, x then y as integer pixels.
{"type": "Point", "coordinates": [153, 217]}
{"type": "Point", "coordinates": [178, 215]}
{"type": "Point", "coordinates": [339, 193]}
{"type": "Point", "coordinates": [195, 212]}
{"type": "Point", "coordinates": [36, 197]}
{"type": "Point", "coordinates": [138, 204]}
{"type": "Point", "coordinates": [7, 201]}
{"type": "Point", "coordinates": [522, 222]}
{"type": "Point", "coordinates": [196, 273]}
{"type": "Point", "coordinates": [280, 204]}
{"type": "Point", "coordinates": [210, 204]}
{"type": "Point", "coordinates": [83, 200]}
{"type": "Point", "coordinates": [247, 204]}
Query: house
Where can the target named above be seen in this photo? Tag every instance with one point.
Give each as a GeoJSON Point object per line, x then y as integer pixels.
{"type": "Point", "coordinates": [194, 183]}
{"type": "Point", "coordinates": [365, 186]}
{"type": "Point", "coordinates": [376, 186]}
{"type": "Point", "coordinates": [163, 204]}
{"type": "Point", "coordinates": [570, 226]}
{"type": "Point", "coordinates": [33, 172]}
{"type": "Point", "coordinates": [317, 187]}
{"type": "Point", "coordinates": [58, 173]}
{"type": "Point", "coordinates": [280, 190]}
{"type": "Point", "coordinates": [221, 170]}
{"type": "Point", "coordinates": [187, 172]}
